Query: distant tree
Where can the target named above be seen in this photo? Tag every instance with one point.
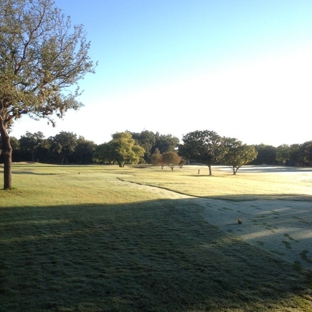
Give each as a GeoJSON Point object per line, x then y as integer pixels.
{"type": "Point", "coordinates": [165, 143]}
{"type": "Point", "coordinates": [147, 140]}
{"type": "Point", "coordinates": [16, 149]}
{"type": "Point", "coordinates": [156, 159]}
{"type": "Point", "coordinates": [239, 155]}
{"type": "Point", "coordinates": [230, 144]}
{"type": "Point", "coordinates": [63, 145]}
{"type": "Point", "coordinates": [83, 151]}
{"type": "Point", "coordinates": [294, 154]}
{"type": "Point", "coordinates": [205, 146]}
{"type": "Point", "coordinates": [122, 149]}
{"type": "Point", "coordinates": [151, 141]}
{"type": "Point", "coordinates": [171, 159]}
{"type": "Point", "coordinates": [182, 162]}
{"type": "Point", "coordinates": [102, 154]}
{"type": "Point", "coordinates": [305, 156]}
{"type": "Point", "coordinates": [266, 155]}
{"type": "Point", "coordinates": [283, 154]}
{"type": "Point", "coordinates": [31, 144]}
{"type": "Point", "coordinates": [41, 57]}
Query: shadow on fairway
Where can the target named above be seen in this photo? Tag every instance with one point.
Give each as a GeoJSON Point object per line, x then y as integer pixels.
{"type": "Point", "coordinates": [33, 173]}
{"type": "Point", "coordinates": [148, 256]}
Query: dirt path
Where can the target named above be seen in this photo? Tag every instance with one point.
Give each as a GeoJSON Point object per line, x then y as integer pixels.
{"type": "Point", "coordinates": [282, 227]}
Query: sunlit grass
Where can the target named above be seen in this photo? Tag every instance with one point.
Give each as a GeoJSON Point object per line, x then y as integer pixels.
{"type": "Point", "coordinates": [77, 238]}
{"type": "Point", "coordinates": [58, 185]}
{"type": "Point", "coordinates": [224, 185]}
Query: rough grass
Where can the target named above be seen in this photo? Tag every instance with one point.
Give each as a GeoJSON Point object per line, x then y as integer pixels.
{"type": "Point", "coordinates": [79, 239]}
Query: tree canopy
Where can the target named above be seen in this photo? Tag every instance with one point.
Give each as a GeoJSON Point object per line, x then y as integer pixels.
{"type": "Point", "coordinates": [204, 146]}
{"type": "Point", "coordinates": [84, 151]}
{"type": "Point", "coordinates": [33, 143]}
{"type": "Point", "coordinates": [306, 153]}
{"type": "Point", "coordinates": [171, 159]}
{"type": "Point", "coordinates": [151, 141]}
{"type": "Point", "coordinates": [239, 155]}
{"type": "Point", "coordinates": [165, 143]}
{"type": "Point", "coordinates": [156, 158]}
{"type": "Point", "coordinates": [41, 57]}
{"type": "Point", "coordinates": [63, 145]}
{"type": "Point", "coordinates": [283, 154]}
{"type": "Point", "coordinates": [266, 155]}
{"type": "Point", "coordinates": [121, 149]}
{"type": "Point", "coordinates": [35, 147]}
{"type": "Point", "coordinates": [147, 140]}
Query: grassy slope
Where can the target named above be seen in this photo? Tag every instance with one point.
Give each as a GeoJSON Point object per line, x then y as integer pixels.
{"type": "Point", "coordinates": [76, 239]}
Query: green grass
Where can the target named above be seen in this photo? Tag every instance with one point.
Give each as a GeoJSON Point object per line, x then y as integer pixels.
{"type": "Point", "coordinates": [243, 186]}
{"type": "Point", "coordinates": [77, 238]}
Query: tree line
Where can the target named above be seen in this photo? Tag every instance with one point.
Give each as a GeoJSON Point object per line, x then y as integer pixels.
{"type": "Point", "coordinates": [147, 147]}
{"type": "Point", "coordinates": [63, 148]}
{"type": "Point", "coordinates": [289, 155]}
{"type": "Point", "coordinates": [68, 148]}
{"type": "Point", "coordinates": [42, 59]}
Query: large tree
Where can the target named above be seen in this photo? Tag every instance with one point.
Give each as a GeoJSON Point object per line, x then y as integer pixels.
{"type": "Point", "coordinates": [305, 156]}
{"type": "Point", "coordinates": [41, 57]}
{"type": "Point", "coordinates": [63, 145]}
{"type": "Point", "coordinates": [147, 140]}
{"type": "Point", "coordinates": [31, 144]}
{"type": "Point", "coordinates": [294, 154]}
{"type": "Point", "coordinates": [266, 155]}
{"type": "Point", "coordinates": [165, 143]}
{"type": "Point", "coordinates": [84, 151]}
{"type": "Point", "coordinates": [238, 155]}
{"type": "Point", "coordinates": [151, 141]}
{"type": "Point", "coordinates": [122, 149]}
{"type": "Point", "coordinates": [204, 146]}
{"type": "Point", "coordinates": [283, 154]}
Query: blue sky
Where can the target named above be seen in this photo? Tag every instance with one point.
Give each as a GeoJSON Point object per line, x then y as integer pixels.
{"type": "Point", "coordinates": [240, 68]}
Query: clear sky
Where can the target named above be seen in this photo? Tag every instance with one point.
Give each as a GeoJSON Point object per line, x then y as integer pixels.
{"type": "Point", "coordinates": [242, 68]}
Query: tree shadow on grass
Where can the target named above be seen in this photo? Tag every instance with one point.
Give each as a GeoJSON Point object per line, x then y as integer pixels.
{"type": "Point", "coordinates": [29, 172]}
{"type": "Point", "coordinates": [34, 173]}
{"type": "Point", "coordinates": [272, 197]}
{"type": "Point", "coordinates": [279, 224]}
{"type": "Point", "coordinates": [147, 256]}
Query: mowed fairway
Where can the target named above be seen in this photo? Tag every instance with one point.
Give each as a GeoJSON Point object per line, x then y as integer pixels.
{"type": "Point", "coordinates": [89, 238]}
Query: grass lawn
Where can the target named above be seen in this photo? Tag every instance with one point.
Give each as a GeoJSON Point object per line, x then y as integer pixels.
{"type": "Point", "coordinates": [77, 238]}
{"type": "Point", "coordinates": [225, 185]}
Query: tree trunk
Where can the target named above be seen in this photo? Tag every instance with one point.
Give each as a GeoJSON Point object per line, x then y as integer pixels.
{"type": "Point", "coordinates": [235, 170]}
{"type": "Point", "coordinates": [210, 172]}
{"type": "Point", "coordinates": [7, 156]}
